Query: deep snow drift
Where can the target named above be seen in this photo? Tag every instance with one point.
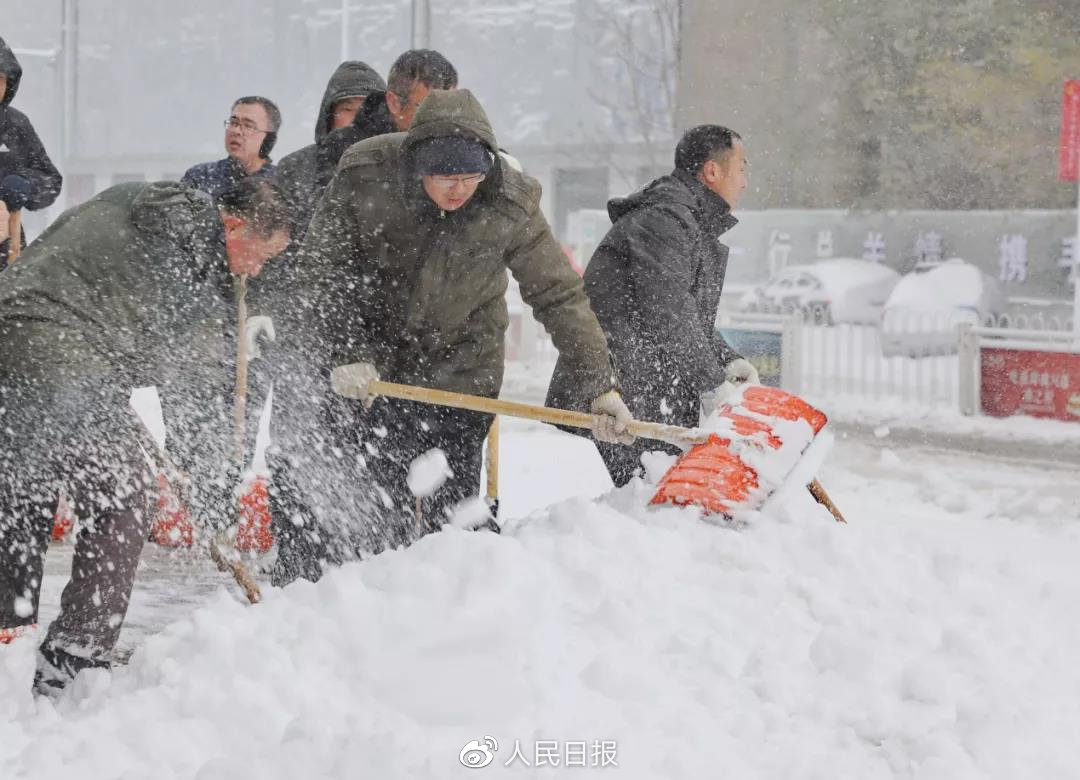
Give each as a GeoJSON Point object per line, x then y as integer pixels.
{"type": "Point", "coordinates": [933, 636]}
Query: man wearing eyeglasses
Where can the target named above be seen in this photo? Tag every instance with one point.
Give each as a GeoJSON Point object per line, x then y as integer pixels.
{"type": "Point", "coordinates": [403, 275]}
{"type": "Point", "coordinates": [250, 133]}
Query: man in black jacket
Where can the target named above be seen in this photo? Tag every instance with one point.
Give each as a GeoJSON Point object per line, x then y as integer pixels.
{"type": "Point", "coordinates": [250, 133]}
{"type": "Point", "coordinates": [655, 282]}
{"type": "Point", "coordinates": [302, 175]}
{"type": "Point", "coordinates": [128, 289]}
{"type": "Point", "coordinates": [28, 179]}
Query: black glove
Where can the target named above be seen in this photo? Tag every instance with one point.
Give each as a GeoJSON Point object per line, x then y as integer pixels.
{"type": "Point", "coordinates": [15, 191]}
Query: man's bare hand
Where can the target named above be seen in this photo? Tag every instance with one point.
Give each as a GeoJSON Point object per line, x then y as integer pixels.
{"type": "Point", "coordinates": [5, 221]}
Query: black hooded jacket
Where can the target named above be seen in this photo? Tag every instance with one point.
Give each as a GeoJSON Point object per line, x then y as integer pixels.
{"type": "Point", "coordinates": [21, 151]}
{"type": "Point", "coordinates": [654, 283]}
{"type": "Point", "coordinates": [304, 174]}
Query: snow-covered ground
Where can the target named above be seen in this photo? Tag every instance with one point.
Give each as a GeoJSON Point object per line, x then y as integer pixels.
{"type": "Point", "coordinates": [933, 636]}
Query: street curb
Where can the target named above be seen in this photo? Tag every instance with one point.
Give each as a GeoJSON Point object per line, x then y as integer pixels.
{"type": "Point", "coordinates": [995, 446]}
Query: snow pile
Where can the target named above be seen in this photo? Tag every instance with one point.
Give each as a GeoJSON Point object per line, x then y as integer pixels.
{"type": "Point", "coordinates": [920, 639]}
{"type": "Point", "coordinates": [954, 284]}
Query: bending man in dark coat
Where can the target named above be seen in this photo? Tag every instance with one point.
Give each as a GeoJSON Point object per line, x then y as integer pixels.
{"type": "Point", "coordinates": [404, 270]}
{"type": "Point", "coordinates": [28, 179]}
{"type": "Point", "coordinates": [655, 282]}
{"type": "Point", "coordinates": [128, 289]}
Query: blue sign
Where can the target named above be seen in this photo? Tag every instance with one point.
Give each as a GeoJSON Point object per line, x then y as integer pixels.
{"type": "Point", "coordinates": [761, 347]}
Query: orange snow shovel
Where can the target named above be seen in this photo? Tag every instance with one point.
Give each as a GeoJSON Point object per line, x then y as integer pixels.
{"type": "Point", "coordinates": [764, 435]}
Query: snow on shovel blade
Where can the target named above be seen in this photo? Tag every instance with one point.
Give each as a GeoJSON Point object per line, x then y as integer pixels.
{"type": "Point", "coordinates": [756, 440]}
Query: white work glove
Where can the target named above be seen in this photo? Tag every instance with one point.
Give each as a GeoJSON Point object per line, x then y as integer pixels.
{"type": "Point", "coordinates": [611, 419]}
{"type": "Point", "coordinates": [354, 381]}
{"type": "Point", "coordinates": [5, 227]}
{"type": "Point", "coordinates": [741, 371]}
{"type": "Point", "coordinates": [255, 327]}
{"type": "Point", "coordinates": [711, 399]}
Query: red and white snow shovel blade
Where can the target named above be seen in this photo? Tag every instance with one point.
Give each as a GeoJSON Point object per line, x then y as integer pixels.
{"type": "Point", "coordinates": [172, 524]}
{"type": "Point", "coordinates": [254, 533]}
{"type": "Point", "coordinates": [63, 519]}
{"type": "Point", "coordinates": [9, 635]}
{"type": "Point", "coordinates": [758, 438]}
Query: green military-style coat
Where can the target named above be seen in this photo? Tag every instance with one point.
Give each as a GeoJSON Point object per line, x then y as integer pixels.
{"type": "Point", "coordinates": [421, 293]}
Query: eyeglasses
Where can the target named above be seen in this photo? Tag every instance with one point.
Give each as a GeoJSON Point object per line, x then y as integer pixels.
{"type": "Point", "coordinates": [448, 182]}
{"type": "Point", "coordinates": [243, 125]}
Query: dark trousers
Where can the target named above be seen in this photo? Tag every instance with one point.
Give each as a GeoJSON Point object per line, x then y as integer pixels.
{"type": "Point", "coordinates": [652, 400]}
{"type": "Point", "coordinates": [623, 461]}
{"type": "Point", "coordinates": [107, 481]}
{"type": "Point", "coordinates": [393, 434]}
{"type": "Point", "coordinates": [375, 510]}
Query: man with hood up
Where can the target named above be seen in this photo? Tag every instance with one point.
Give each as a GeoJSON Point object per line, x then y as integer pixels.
{"type": "Point", "coordinates": [304, 174]}
{"type": "Point", "coordinates": [126, 290]}
{"type": "Point", "coordinates": [655, 282]}
{"type": "Point", "coordinates": [386, 108]}
{"type": "Point", "coordinates": [28, 179]}
{"type": "Point", "coordinates": [403, 276]}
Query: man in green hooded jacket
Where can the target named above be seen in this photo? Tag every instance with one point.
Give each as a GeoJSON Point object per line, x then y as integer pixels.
{"type": "Point", "coordinates": [403, 274]}
{"type": "Point", "coordinates": [128, 289]}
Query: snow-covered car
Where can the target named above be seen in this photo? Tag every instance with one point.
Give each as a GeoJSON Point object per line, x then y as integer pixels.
{"type": "Point", "coordinates": [922, 314]}
{"type": "Point", "coordinates": [828, 291]}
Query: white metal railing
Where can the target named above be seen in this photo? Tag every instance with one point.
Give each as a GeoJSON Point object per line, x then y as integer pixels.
{"type": "Point", "coordinates": [1029, 322]}
{"type": "Point", "coordinates": [915, 359]}
{"type": "Point", "coordinates": [920, 357]}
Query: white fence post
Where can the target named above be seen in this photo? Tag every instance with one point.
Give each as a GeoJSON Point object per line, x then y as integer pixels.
{"type": "Point", "coordinates": [791, 348]}
{"type": "Point", "coordinates": [967, 366]}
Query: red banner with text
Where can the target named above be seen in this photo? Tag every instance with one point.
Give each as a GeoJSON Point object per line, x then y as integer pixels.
{"type": "Point", "coordinates": [1039, 384]}
{"type": "Point", "coordinates": [1069, 161]}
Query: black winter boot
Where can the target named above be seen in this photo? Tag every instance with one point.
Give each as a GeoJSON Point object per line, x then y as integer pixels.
{"type": "Point", "coordinates": [56, 668]}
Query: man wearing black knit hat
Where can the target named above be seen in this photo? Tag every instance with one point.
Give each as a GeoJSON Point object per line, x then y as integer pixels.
{"type": "Point", "coordinates": [404, 277]}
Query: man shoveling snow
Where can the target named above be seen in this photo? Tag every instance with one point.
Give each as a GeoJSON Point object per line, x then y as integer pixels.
{"type": "Point", "coordinates": [126, 290]}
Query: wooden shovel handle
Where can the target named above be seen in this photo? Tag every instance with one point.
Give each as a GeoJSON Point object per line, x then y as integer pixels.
{"type": "Point", "coordinates": [818, 492]}
{"type": "Point", "coordinates": [240, 394]}
{"type": "Point", "coordinates": [14, 236]}
{"type": "Point", "coordinates": [238, 571]}
{"type": "Point", "coordinates": [476, 403]}
{"type": "Point", "coordinates": [493, 462]}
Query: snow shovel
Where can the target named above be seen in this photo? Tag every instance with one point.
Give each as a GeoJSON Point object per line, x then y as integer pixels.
{"type": "Point", "coordinates": [222, 560]}
{"type": "Point", "coordinates": [712, 474]}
